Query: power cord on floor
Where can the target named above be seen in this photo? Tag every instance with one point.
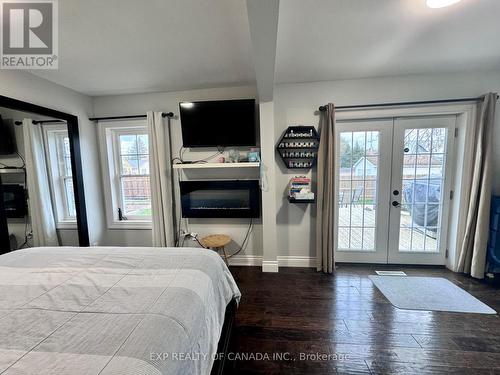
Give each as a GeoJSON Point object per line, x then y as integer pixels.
{"type": "Point", "coordinates": [243, 245]}
{"type": "Point", "coordinates": [199, 243]}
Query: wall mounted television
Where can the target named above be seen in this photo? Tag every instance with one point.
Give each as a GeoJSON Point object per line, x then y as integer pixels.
{"type": "Point", "coordinates": [221, 123]}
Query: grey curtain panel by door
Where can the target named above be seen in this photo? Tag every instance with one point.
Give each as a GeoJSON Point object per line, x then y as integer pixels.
{"type": "Point", "coordinates": [42, 217]}
{"type": "Point", "coordinates": [473, 248]}
{"type": "Point", "coordinates": [326, 191]}
{"type": "Point", "coordinates": [162, 207]}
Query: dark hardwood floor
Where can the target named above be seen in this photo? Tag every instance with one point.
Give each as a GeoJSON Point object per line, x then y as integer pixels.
{"type": "Point", "coordinates": [347, 320]}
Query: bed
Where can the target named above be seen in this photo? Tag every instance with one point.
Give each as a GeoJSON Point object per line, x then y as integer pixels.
{"type": "Point", "coordinates": [113, 310]}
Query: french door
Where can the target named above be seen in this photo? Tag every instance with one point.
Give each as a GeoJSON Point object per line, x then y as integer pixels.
{"type": "Point", "coordinates": [393, 189]}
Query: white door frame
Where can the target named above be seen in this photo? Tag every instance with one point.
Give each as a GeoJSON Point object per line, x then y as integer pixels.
{"type": "Point", "coordinates": [466, 115]}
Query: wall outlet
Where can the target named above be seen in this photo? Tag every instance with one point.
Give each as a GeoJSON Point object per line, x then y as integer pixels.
{"type": "Point", "coordinates": [189, 235]}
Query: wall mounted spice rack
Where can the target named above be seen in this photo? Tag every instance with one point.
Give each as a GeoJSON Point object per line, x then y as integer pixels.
{"type": "Point", "coordinates": [298, 147]}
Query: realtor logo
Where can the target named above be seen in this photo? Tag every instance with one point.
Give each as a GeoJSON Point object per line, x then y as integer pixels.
{"type": "Point", "coordinates": [29, 34]}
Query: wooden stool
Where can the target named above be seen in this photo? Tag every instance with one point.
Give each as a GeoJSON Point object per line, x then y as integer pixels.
{"type": "Point", "coordinates": [217, 242]}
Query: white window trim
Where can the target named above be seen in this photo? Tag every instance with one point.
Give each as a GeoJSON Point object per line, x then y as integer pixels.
{"type": "Point", "coordinates": [57, 191]}
{"type": "Point", "coordinates": [109, 162]}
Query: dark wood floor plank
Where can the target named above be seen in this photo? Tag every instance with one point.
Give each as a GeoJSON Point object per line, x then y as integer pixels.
{"type": "Point", "coordinates": [423, 327]}
{"type": "Point", "coordinates": [309, 315]}
{"type": "Point", "coordinates": [478, 344]}
{"type": "Point", "coordinates": [389, 368]}
{"type": "Point", "coordinates": [430, 342]}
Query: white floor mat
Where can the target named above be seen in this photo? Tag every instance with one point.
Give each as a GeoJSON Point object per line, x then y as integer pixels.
{"type": "Point", "coordinates": [428, 293]}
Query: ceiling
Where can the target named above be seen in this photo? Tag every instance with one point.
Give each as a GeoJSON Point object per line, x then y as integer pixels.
{"type": "Point", "coordinates": [125, 46]}
{"type": "Point", "coordinates": [342, 39]}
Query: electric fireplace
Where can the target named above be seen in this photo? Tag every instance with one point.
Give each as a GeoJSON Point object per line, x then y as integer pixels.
{"type": "Point", "coordinates": [223, 198]}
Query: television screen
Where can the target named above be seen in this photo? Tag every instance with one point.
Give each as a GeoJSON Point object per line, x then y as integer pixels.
{"type": "Point", "coordinates": [218, 123]}
{"type": "Point", "coordinates": [6, 139]}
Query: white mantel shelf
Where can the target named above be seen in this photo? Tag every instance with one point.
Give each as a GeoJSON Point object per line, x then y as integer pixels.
{"type": "Point", "coordinates": [217, 165]}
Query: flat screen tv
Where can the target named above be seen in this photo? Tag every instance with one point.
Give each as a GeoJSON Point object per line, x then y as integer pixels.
{"type": "Point", "coordinates": [6, 139]}
{"type": "Point", "coordinates": [218, 123]}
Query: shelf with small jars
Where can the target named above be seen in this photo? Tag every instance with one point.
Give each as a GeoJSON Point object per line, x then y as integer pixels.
{"type": "Point", "coordinates": [298, 147]}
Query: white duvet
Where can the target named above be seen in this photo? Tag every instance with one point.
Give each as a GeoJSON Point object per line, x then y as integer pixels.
{"type": "Point", "coordinates": [112, 310]}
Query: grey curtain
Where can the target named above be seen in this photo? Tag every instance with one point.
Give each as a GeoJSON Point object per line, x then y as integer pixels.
{"type": "Point", "coordinates": [325, 197]}
{"type": "Point", "coordinates": [473, 248]}
{"type": "Point", "coordinates": [162, 201]}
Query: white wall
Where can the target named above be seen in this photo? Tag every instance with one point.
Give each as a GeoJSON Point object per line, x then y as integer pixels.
{"type": "Point", "coordinates": [297, 104]}
{"type": "Point", "coordinates": [140, 104]}
{"type": "Point", "coordinates": [294, 104]}
{"type": "Point", "coordinates": [267, 123]}
{"type": "Point", "coordinates": [27, 87]}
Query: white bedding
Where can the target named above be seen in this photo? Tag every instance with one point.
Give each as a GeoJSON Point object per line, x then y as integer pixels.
{"type": "Point", "coordinates": [112, 310]}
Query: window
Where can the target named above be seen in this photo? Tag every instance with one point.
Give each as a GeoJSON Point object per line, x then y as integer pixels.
{"type": "Point", "coordinates": [125, 151]}
{"type": "Point", "coordinates": [134, 175]}
{"type": "Point", "coordinates": [60, 174]}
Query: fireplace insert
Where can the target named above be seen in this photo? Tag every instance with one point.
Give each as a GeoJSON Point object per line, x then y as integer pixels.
{"type": "Point", "coordinates": [223, 198]}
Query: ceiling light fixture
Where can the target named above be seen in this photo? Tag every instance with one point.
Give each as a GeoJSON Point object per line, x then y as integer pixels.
{"type": "Point", "coordinates": [441, 3]}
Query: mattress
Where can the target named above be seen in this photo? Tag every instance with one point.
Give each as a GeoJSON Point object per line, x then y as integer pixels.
{"type": "Point", "coordinates": [112, 310]}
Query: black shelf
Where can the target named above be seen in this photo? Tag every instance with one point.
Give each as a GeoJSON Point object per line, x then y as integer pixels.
{"type": "Point", "coordinates": [286, 137]}
{"type": "Point", "coordinates": [293, 200]}
{"type": "Point", "coordinates": [298, 148]}
{"type": "Point", "coordinates": [312, 141]}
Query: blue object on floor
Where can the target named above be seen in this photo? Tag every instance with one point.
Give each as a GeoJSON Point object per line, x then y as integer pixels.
{"type": "Point", "coordinates": [494, 238]}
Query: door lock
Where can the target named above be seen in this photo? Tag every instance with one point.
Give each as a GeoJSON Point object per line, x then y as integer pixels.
{"type": "Point", "coordinates": [395, 203]}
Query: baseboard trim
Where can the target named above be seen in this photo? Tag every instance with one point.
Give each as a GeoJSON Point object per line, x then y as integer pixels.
{"type": "Point", "coordinates": [296, 261]}
{"type": "Point", "coordinates": [282, 261]}
{"type": "Point", "coordinates": [245, 260]}
{"type": "Point", "coordinates": [270, 266]}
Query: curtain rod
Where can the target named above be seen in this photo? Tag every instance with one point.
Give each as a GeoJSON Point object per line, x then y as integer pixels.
{"type": "Point", "coordinates": [167, 114]}
{"type": "Point", "coordinates": [323, 107]}
{"type": "Point", "coordinates": [42, 122]}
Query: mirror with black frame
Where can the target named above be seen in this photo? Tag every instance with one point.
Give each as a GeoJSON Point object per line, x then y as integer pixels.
{"type": "Point", "coordinates": [40, 205]}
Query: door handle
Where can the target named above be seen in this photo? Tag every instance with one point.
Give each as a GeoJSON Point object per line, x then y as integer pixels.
{"type": "Point", "coordinates": [395, 203]}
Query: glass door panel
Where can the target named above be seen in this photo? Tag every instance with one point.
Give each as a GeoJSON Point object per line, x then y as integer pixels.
{"type": "Point", "coordinates": [361, 231]}
{"type": "Point", "coordinates": [357, 193]}
{"type": "Point", "coordinates": [420, 180]}
{"type": "Point", "coordinates": [423, 177]}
